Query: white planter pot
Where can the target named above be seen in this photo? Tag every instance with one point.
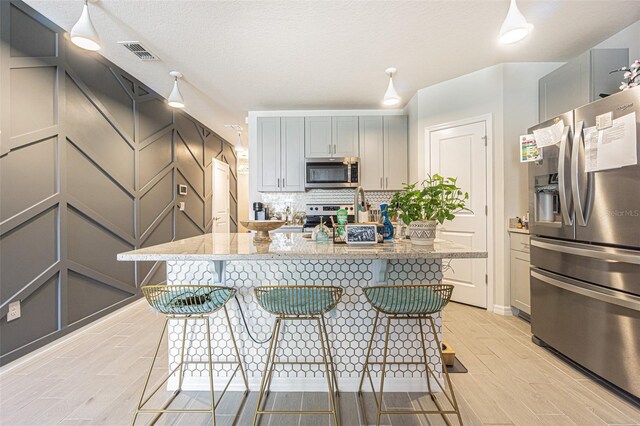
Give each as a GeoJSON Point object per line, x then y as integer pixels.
{"type": "Point", "coordinates": [422, 233]}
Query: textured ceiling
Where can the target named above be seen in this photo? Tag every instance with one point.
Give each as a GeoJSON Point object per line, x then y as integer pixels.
{"type": "Point", "coordinates": [238, 56]}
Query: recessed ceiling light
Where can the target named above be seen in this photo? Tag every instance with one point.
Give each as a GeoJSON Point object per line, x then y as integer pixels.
{"type": "Point", "coordinates": [391, 97]}
{"type": "Point", "coordinates": [515, 27]}
{"type": "Point", "coordinates": [175, 98]}
{"type": "Point", "coordinates": [83, 33]}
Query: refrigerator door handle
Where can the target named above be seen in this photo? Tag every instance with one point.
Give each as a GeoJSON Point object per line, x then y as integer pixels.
{"type": "Point", "coordinates": [620, 255]}
{"type": "Point", "coordinates": [565, 205]}
{"type": "Point", "coordinates": [588, 290]}
{"type": "Point", "coordinates": [582, 213]}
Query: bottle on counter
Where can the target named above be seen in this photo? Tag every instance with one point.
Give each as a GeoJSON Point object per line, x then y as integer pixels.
{"type": "Point", "coordinates": [387, 226]}
{"type": "Point", "coordinates": [519, 226]}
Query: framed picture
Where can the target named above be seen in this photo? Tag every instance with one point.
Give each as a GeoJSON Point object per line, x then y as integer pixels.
{"type": "Point", "coordinates": [361, 234]}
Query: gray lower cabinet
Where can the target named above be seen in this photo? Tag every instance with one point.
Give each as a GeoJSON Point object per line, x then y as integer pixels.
{"type": "Point", "coordinates": [580, 81]}
{"type": "Point", "coordinates": [331, 137]}
{"type": "Point", "coordinates": [281, 154]}
{"type": "Point", "coordinates": [519, 277]}
{"type": "Point", "coordinates": [383, 152]}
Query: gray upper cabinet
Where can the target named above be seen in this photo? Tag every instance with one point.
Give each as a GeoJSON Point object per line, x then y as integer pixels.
{"type": "Point", "coordinates": [292, 155]}
{"type": "Point", "coordinates": [383, 152]}
{"type": "Point", "coordinates": [331, 137]}
{"type": "Point", "coordinates": [580, 81]}
{"type": "Point", "coordinates": [344, 132]}
{"type": "Point", "coordinates": [372, 153]}
{"type": "Point", "coordinates": [396, 159]}
{"type": "Point", "coordinates": [280, 154]}
{"type": "Point", "coordinates": [269, 154]}
{"type": "Point", "coordinates": [317, 137]}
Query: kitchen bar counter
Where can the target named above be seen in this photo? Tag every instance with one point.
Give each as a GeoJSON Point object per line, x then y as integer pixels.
{"type": "Point", "coordinates": [293, 246]}
{"type": "Point", "coordinates": [234, 260]}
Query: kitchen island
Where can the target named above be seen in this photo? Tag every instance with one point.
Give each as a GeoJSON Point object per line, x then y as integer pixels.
{"type": "Point", "coordinates": [235, 260]}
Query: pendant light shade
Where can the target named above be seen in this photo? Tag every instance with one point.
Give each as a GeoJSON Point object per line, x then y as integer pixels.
{"type": "Point", "coordinates": [391, 97]}
{"type": "Point", "coordinates": [83, 33]}
{"type": "Point", "coordinates": [175, 97]}
{"type": "Point", "coordinates": [515, 27]}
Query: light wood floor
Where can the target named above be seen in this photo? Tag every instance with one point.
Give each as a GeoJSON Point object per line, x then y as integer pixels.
{"type": "Point", "coordinates": [96, 378]}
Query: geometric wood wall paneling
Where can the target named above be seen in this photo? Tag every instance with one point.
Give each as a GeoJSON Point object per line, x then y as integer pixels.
{"type": "Point", "coordinates": [155, 201]}
{"type": "Point", "coordinates": [33, 91]}
{"type": "Point", "coordinates": [89, 244]}
{"type": "Point", "coordinates": [20, 184]}
{"type": "Point", "coordinates": [91, 152]}
{"type": "Point", "coordinates": [96, 189]}
{"type": "Point", "coordinates": [88, 296]}
{"type": "Point", "coordinates": [154, 157]}
{"type": "Point", "coordinates": [42, 307]}
{"type": "Point", "coordinates": [27, 251]}
{"type": "Point", "coordinates": [88, 128]}
{"type": "Point", "coordinates": [105, 87]}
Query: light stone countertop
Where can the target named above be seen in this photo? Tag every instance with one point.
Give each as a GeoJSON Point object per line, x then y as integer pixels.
{"type": "Point", "coordinates": [292, 246]}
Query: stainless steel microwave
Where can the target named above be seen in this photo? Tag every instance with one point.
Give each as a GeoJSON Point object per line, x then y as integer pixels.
{"type": "Point", "coordinates": [336, 172]}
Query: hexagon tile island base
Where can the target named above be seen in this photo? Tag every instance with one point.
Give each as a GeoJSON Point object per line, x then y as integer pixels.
{"type": "Point", "coordinates": [349, 324]}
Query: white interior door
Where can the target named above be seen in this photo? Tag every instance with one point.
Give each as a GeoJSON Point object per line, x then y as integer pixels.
{"type": "Point", "coordinates": [460, 151]}
{"type": "Point", "coordinates": [220, 201]}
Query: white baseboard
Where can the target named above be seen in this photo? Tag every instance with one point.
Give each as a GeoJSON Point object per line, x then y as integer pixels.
{"type": "Point", "coordinates": [502, 310]}
{"type": "Point", "coordinates": [309, 384]}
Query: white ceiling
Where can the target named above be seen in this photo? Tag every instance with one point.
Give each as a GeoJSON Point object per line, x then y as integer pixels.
{"type": "Point", "coordinates": [238, 56]}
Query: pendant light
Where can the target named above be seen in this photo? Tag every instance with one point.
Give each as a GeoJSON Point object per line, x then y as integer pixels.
{"type": "Point", "coordinates": [83, 33]}
{"type": "Point", "coordinates": [391, 97]}
{"type": "Point", "coordinates": [515, 27]}
{"type": "Point", "coordinates": [175, 97]}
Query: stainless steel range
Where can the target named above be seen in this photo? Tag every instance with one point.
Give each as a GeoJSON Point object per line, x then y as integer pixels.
{"type": "Point", "coordinates": [585, 245]}
{"type": "Point", "coordinates": [323, 212]}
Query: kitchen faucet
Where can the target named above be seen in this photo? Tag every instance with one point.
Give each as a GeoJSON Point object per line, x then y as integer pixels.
{"type": "Point", "coordinates": [356, 203]}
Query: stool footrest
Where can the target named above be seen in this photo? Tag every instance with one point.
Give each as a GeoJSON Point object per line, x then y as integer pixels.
{"type": "Point", "coordinates": [294, 412]}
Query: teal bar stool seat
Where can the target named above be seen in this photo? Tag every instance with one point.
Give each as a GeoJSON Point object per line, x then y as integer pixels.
{"type": "Point", "coordinates": [184, 303]}
{"type": "Point", "coordinates": [408, 303]}
{"type": "Point", "coordinates": [298, 303]}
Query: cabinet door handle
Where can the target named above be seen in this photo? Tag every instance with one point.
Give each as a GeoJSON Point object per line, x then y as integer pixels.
{"type": "Point", "coordinates": [278, 182]}
{"type": "Point", "coordinates": [283, 182]}
{"type": "Point", "coordinates": [386, 183]}
{"type": "Point", "coordinates": [380, 182]}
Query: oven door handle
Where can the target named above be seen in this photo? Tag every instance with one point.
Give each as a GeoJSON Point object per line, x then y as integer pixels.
{"type": "Point", "coordinates": [584, 289]}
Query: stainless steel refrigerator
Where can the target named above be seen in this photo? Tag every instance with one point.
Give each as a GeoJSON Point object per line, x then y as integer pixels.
{"type": "Point", "coordinates": [585, 244]}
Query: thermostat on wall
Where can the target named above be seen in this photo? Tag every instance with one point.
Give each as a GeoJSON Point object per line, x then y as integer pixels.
{"type": "Point", "coordinates": [182, 189]}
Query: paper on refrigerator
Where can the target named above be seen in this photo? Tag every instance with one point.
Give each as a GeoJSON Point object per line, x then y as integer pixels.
{"type": "Point", "coordinates": [613, 147]}
{"type": "Point", "coordinates": [549, 135]}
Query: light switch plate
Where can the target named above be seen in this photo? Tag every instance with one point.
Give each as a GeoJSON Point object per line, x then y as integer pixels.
{"type": "Point", "coordinates": [181, 206]}
{"type": "Point", "coordinates": [14, 311]}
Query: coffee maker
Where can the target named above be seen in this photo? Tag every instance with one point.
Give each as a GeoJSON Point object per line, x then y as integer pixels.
{"type": "Point", "coordinates": [260, 212]}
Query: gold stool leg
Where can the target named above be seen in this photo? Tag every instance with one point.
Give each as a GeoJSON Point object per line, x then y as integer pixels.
{"type": "Point", "coordinates": [153, 361]}
{"type": "Point", "coordinates": [453, 401]}
{"type": "Point", "coordinates": [321, 331]}
{"type": "Point", "coordinates": [275, 356]}
{"type": "Point", "coordinates": [365, 370]}
{"type": "Point", "coordinates": [235, 345]}
{"type": "Point", "coordinates": [384, 367]}
{"type": "Point", "coordinates": [210, 364]}
{"type": "Point", "coordinates": [331, 363]}
{"type": "Point", "coordinates": [276, 328]}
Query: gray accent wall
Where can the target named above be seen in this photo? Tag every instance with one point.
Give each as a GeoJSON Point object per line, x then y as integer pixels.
{"type": "Point", "coordinates": [90, 160]}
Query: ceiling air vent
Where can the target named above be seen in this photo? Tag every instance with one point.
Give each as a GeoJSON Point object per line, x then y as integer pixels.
{"type": "Point", "coordinates": [139, 50]}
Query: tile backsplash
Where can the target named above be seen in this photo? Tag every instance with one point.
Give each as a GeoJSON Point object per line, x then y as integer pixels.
{"type": "Point", "coordinates": [278, 201]}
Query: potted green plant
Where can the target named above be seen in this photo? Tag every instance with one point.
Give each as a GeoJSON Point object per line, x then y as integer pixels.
{"type": "Point", "coordinates": [422, 207]}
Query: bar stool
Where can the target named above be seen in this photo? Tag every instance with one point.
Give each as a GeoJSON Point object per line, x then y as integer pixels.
{"type": "Point", "coordinates": [189, 303]}
{"type": "Point", "coordinates": [408, 302]}
{"type": "Point", "coordinates": [298, 303]}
